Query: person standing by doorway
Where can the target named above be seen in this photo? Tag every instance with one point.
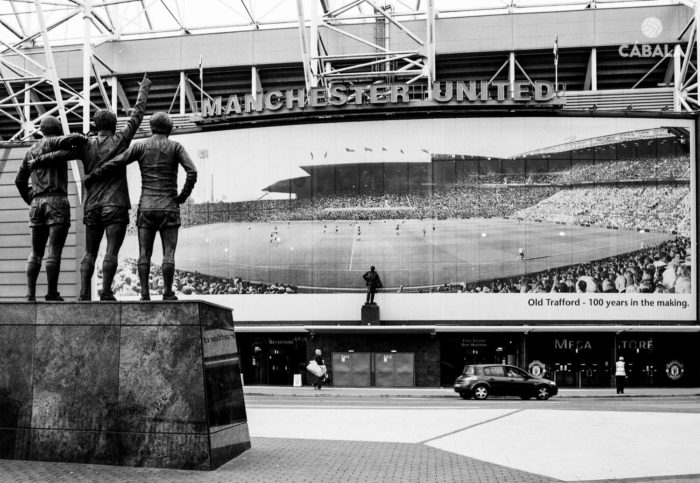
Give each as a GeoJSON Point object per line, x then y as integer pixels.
{"type": "Point", "coordinates": [620, 375]}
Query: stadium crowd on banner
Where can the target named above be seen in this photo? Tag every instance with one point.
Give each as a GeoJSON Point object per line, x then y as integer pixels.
{"type": "Point", "coordinates": [126, 283]}
{"type": "Point", "coordinates": [664, 268]}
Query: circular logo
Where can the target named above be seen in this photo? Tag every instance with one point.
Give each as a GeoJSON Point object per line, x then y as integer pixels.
{"type": "Point", "coordinates": [652, 27]}
{"type": "Point", "coordinates": [536, 368]}
{"type": "Point", "coordinates": [674, 370]}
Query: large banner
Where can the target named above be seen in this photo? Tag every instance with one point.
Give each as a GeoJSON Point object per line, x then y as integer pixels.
{"type": "Point", "coordinates": [550, 206]}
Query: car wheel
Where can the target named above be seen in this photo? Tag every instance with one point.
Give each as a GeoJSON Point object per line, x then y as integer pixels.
{"type": "Point", "coordinates": [525, 397]}
{"type": "Point", "coordinates": [543, 393]}
{"type": "Point", "coordinates": [481, 392]}
{"type": "Point", "coordinates": [465, 395]}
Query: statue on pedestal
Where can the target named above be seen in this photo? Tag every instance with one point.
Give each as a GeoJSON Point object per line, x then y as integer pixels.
{"type": "Point", "coordinates": [49, 210]}
{"type": "Point", "coordinates": [106, 206]}
{"type": "Point", "coordinates": [159, 206]}
{"type": "Point", "coordinates": [373, 283]}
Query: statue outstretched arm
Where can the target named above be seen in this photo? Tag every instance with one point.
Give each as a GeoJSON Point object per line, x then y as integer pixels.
{"type": "Point", "coordinates": [129, 130]}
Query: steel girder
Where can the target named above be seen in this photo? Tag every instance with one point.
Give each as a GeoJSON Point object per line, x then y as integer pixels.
{"type": "Point", "coordinates": [377, 61]}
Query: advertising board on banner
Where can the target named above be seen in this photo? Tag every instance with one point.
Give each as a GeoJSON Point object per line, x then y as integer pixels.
{"type": "Point", "coordinates": [544, 218]}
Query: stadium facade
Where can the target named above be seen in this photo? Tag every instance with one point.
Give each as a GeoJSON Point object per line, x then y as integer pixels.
{"type": "Point", "coordinates": [437, 164]}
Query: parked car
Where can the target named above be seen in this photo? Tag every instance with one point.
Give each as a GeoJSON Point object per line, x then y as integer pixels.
{"type": "Point", "coordinates": [482, 380]}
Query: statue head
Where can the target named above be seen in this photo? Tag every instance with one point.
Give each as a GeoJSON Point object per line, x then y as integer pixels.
{"type": "Point", "coordinates": [105, 120]}
{"type": "Point", "coordinates": [50, 126]}
{"type": "Point", "coordinates": [161, 123]}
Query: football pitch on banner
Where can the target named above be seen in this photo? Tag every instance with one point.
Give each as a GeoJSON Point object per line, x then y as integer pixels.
{"type": "Point", "coordinates": [330, 255]}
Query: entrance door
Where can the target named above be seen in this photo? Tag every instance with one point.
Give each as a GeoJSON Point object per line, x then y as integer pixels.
{"type": "Point", "coordinates": [394, 369]}
{"type": "Point", "coordinates": [351, 369]}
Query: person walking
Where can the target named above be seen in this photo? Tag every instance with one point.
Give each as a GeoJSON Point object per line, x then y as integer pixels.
{"type": "Point", "coordinates": [320, 379]}
{"type": "Point", "coordinates": [620, 375]}
{"type": "Point", "coordinates": [373, 283]}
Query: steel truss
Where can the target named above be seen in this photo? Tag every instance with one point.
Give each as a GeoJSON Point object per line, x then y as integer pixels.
{"type": "Point", "coordinates": [685, 72]}
{"type": "Point", "coordinates": [380, 62]}
{"type": "Point", "coordinates": [681, 70]}
{"type": "Point", "coordinates": [23, 83]}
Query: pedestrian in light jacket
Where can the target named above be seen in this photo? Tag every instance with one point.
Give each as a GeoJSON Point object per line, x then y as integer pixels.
{"type": "Point", "coordinates": [620, 375]}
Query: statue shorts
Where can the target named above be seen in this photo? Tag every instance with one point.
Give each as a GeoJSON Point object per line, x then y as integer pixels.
{"type": "Point", "coordinates": [49, 210]}
{"type": "Point", "coordinates": [157, 220]}
{"type": "Point", "coordinates": [106, 215]}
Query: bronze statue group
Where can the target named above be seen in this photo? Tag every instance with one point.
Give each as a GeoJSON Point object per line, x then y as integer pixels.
{"type": "Point", "coordinates": [105, 156]}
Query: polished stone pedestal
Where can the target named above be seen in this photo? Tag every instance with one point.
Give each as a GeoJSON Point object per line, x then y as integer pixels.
{"type": "Point", "coordinates": [370, 314]}
{"type": "Point", "coordinates": [136, 384]}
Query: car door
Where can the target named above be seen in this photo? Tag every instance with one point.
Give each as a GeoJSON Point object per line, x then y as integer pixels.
{"type": "Point", "coordinates": [495, 376]}
{"type": "Point", "coordinates": [516, 381]}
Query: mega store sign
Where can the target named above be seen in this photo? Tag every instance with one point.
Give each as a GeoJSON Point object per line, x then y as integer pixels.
{"type": "Point", "coordinates": [339, 96]}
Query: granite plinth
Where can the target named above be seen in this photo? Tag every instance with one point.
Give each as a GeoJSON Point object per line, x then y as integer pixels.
{"type": "Point", "coordinates": [138, 384]}
{"type": "Point", "coordinates": [370, 314]}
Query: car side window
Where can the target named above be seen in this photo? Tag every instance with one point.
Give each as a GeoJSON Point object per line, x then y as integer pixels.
{"type": "Point", "coordinates": [494, 371]}
{"type": "Point", "coordinates": [515, 372]}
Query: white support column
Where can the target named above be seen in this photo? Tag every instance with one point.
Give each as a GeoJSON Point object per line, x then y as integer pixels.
{"type": "Point", "coordinates": [304, 44]}
{"type": "Point", "coordinates": [313, 43]}
{"type": "Point", "coordinates": [511, 74]}
{"type": "Point", "coordinates": [113, 83]}
{"type": "Point", "coordinates": [51, 68]}
{"type": "Point", "coordinates": [430, 42]}
{"type": "Point", "coordinates": [28, 125]}
{"type": "Point", "coordinates": [87, 63]}
{"type": "Point", "coordinates": [677, 80]}
{"type": "Point", "coordinates": [594, 69]}
{"type": "Point", "coordinates": [53, 77]}
{"type": "Point", "coordinates": [255, 85]}
{"type": "Point", "coordinates": [697, 49]}
{"type": "Point", "coordinates": [183, 92]}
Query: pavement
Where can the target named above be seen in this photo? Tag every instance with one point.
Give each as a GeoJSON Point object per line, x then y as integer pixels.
{"type": "Point", "coordinates": [387, 437]}
{"type": "Point", "coordinates": [437, 392]}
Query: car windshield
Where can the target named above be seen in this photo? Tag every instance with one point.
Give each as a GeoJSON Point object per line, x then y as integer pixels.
{"type": "Point", "coordinates": [468, 371]}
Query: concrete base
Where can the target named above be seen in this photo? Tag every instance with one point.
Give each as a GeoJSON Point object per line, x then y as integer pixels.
{"type": "Point", "coordinates": [370, 314]}
{"type": "Point", "coordinates": [136, 384]}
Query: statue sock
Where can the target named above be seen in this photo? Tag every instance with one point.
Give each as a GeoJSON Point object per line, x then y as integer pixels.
{"type": "Point", "coordinates": [144, 269]}
{"type": "Point", "coordinates": [53, 269]}
{"type": "Point", "coordinates": [87, 268]}
{"type": "Point", "coordinates": [33, 268]}
{"type": "Point", "coordinates": [168, 275]}
{"type": "Point", "coordinates": [109, 268]}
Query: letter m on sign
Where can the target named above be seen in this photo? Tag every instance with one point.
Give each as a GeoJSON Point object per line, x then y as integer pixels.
{"type": "Point", "coordinates": [211, 109]}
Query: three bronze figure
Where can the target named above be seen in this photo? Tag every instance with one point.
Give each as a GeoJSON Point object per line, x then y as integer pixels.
{"type": "Point", "coordinates": [106, 207]}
